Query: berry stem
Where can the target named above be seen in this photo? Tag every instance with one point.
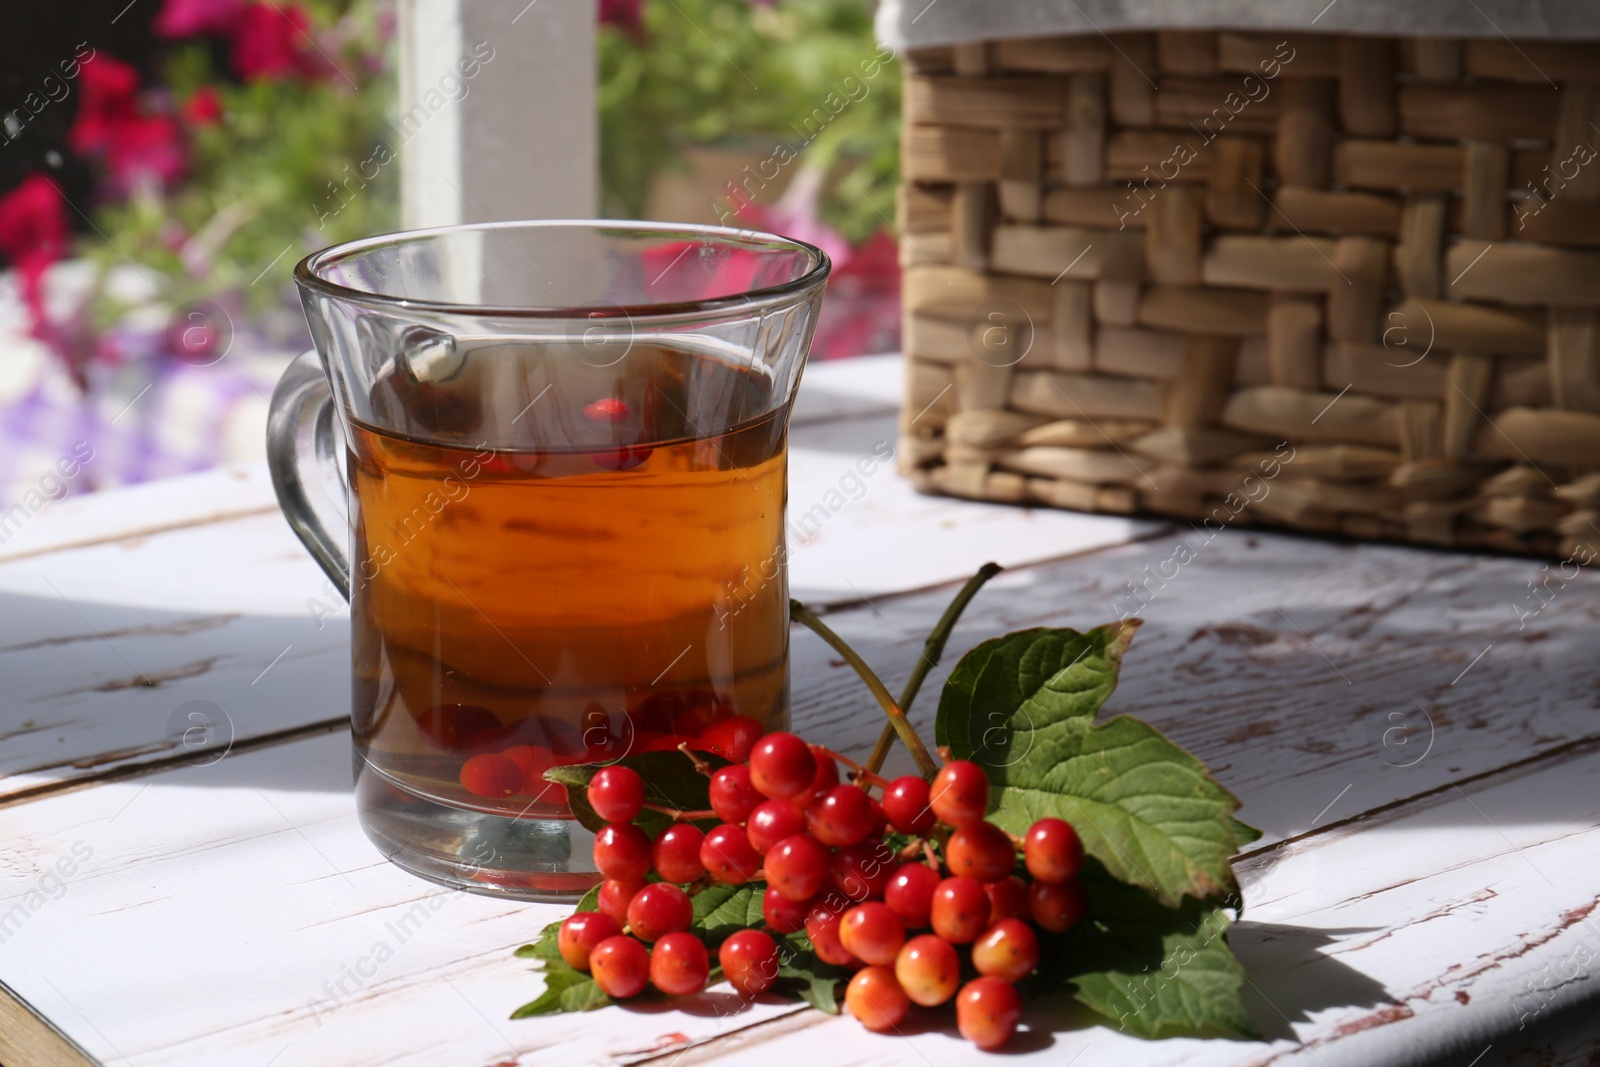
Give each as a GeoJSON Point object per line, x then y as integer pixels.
{"type": "Point", "coordinates": [897, 718]}
{"type": "Point", "coordinates": [931, 651]}
{"type": "Point", "coordinates": [862, 774]}
{"type": "Point", "coordinates": [681, 816]}
{"type": "Point", "coordinates": [699, 764]}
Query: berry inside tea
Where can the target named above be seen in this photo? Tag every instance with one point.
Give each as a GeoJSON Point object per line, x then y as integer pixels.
{"type": "Point", "coordinates": [582, 561]}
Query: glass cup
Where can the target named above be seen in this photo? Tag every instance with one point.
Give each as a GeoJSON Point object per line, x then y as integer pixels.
{"type": "Point", "coordinates": [545, 461]}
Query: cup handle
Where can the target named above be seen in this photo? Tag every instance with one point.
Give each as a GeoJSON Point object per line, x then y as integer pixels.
{"type": "Point", "coordinates": [302, 433]}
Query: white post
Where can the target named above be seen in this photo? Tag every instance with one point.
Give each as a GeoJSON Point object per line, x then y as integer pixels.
{"type": "Point", "coordinates": [496, 113]}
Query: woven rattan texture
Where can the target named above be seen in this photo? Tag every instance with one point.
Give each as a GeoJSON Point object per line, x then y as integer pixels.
{"type": "Point", "coordinates": [1339, 284]}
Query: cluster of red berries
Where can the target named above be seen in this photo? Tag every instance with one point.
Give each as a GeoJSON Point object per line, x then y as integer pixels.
{"type": "Point", "coordinates": [510, 760]}
{"type": "Point", "coordinates": [820, 848]}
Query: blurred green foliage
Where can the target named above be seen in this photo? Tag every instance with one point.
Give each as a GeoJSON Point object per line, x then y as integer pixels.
{"type": "Point", "coordinates": [727, 71]}
{"type": "Point", "coordinates": [290, 166]}
{"type": "Point", "coordinates": [298, 164]}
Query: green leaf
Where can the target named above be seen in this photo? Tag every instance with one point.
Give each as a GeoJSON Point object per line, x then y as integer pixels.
{"type": "Point", "coordinates": [670, 780]}
{"type": "Point", "coordinates": [1153, 970]}
{"type": "Point", "coordinates": [565, 989]}
{"type": "Point", "coordinates": [1023, 706]}
{"type": "Point", "coordinates": [1243, 832]}
{"type": "Point", "coordinates": [547, 948]}
{"type": "Point", "coordinates": [804, 976]}
{"type": "Point", "coordinates": [1039, 676]}
{"type": "Point", "coordinates": [723, 910]}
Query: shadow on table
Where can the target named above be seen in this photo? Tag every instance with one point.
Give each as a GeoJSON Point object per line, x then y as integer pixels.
{"type": "Point", "coordinates": [1289, 977]}
{"type": "Point", "coordinates": [1288, 980]}
{"type": "Point", "coordinates": [92, 684]}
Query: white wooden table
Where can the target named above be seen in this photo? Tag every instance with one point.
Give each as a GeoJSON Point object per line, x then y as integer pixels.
{"type": "Point", "coordinates": [210, 899]}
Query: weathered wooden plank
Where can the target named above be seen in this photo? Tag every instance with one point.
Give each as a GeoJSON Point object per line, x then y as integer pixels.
{"type": "Point", "coordinates": [108, 650]}
{"type": "Point", "coordinates": [1406, 635]}
{"type": "Point", "coordinates": [1432, 919]}
{"type": "Point", "coordinates": [143, 510]}
{"type": "Point", "coordinates": [249, 917]}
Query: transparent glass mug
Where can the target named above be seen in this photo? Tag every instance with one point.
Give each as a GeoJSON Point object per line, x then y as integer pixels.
{"type": "Point", "coordinates": [545, 461]}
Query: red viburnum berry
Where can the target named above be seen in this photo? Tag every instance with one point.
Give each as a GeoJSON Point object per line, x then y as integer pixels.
{"type": "Point", "coordinates": [960, 910]}
{"type": "Point", "coordinates": [875, 998]}
{"type": "Point", "coordinates": [749, 961]}
{"type": "Point", "coordinates": [1008, 950]}
{"type": "Point", "coordinates": [616, 793]}
{"type": "Point", "coordinates": [981, 851]}
{"type": "Point", "coordinates": [910, 893]}
{"type": "Point", "coordinates": [679, 964]}
{"type": "Point", "coordinates": [676, 853]}
{"type": "Point", "coordinates": [733, 738]}
{"type": "Point", "coordinates": [727, 856]}
{"type": "Point", "coordinates": [782, 766]}
{"type": "Point", "coordinates": [733, 797]}
{"type": "Point", "coordinates": [772, 821]}
{"type": "Point", "coordinates": [581, 932]}
{"type": "Point", "coordinates": [929, 969]}
{"type": "Point", "coordinates": [905, 802]}
{"type": "Point", "coordinates": [798, 866]}
{"type": "Point", "coordinates": [872, 933]}
{"type": "Point", "coordinates": [1053, 851]}
{"type": "Point", "coordinates": [620, 966]}
{"type": "Point", "coordinates": [841, 816]}
{"type": "Point", "coordinates": [1057, 906]}
{"type": "Point", "coordinates": [659, 909]}
{"type": "Point", "coordinates": [987, 1012]}
{"type": "Point", "coordinates": [959, 795]}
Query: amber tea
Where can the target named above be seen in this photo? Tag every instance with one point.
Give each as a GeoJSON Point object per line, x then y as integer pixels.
{"type": "Point", "coordinates": [608, 583]}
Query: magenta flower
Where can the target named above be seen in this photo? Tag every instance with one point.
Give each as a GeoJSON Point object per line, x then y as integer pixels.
{"type": "Point", "coordinates": [109, 86]}
{"type": "Point", "coordinates": [271, 43]}
{"type": "Point", "coordinates": [191, 18]}
{"type": "Point", "coordinates": [134, 148]}
{"type": "Point", "coordinates": [625, 14]}
{"type": "Point", "coordinates": [146, 148]}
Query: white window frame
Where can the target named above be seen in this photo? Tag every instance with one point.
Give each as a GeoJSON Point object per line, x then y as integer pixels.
{"type": "Point", "coordinates": [496, 112]}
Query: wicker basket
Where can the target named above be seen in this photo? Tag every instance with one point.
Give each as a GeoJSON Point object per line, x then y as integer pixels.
{"type": "Point", "coordinates": [1341, 284]}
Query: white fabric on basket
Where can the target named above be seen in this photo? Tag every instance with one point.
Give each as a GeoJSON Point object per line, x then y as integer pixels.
{"type": "Point", "coordinates": [914, 23]}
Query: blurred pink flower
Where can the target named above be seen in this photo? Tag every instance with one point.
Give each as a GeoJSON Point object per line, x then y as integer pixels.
{"type": "Point", "coordinates": [107, 102]}
{"type": "Point", "coordinates": [144, 148]}
{"type": "Point", "coordinates": [33, 235]}
{"type": "Point", "coordinates": [191, 18]}
{"type": "Point", "coordinates": [796, 215]}
{"type": "Point", "coordinates": [134, 148]}
{"type": "Point", "coordinates": [271, 43]}
{"type": "Point", "coordinates": [33, 225]}
{"type": "Point", "coordinates": [861, 312]}
{"type": "Point", "coordinates": [626, 14]}
{"type": "Point", "coordinates": [204, 107]}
